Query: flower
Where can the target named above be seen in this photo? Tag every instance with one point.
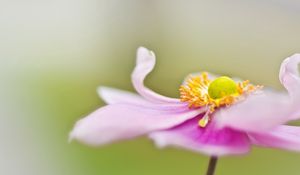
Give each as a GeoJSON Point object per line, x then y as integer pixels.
{"type": "Point", "coordinates": [215, 115]}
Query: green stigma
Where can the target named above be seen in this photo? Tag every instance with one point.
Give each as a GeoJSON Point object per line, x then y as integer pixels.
{"type": "Point", "coordinates": [221, 87]}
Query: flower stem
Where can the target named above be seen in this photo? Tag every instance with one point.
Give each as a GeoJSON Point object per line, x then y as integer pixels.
{"type": "Point", "coordinates": [212, 165]}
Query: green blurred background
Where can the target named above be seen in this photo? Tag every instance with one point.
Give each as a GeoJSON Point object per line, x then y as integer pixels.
{"type": "Point", "coordinates": [54, 54]}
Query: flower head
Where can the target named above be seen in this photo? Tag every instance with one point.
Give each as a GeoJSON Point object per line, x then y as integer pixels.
{"type": "Point", "coordinates": [215, 115]}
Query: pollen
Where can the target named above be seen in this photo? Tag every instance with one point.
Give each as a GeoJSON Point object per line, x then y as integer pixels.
{"type": "Point", "coordinates": [200, 91]}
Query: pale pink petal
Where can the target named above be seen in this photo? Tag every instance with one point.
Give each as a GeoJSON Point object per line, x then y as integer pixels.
{"type": "Point", "coordinates": [258, 112]}
{"type": "Point", "coordinates": [284, 137]}
{"type": "Point", "coordinates": [124, 121]}
{"type": "Point", "coordinates": [209, 140]}
{"type": "Point", "coordinates": [144, 65]}
{"type": "Point", "coordinates": [112, 96]}
{"type": "Point", "coordinates": [289, 77]}
{"type": "Point", "coordinates": [289, 74]}
{"type": "Point", "coordinates": [115, 96]}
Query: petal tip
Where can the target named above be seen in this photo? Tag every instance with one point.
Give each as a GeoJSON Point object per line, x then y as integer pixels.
{"type": "Point", "coordinates": [103, 92]}
{"type": "Point", "coordinates": [73, 135]}
{"type": "Point", "coordinates": [100, 90]}
{"type": "Point", "coordinates": [144, 55]}
{"type": "Point", "coordinates": [143, 49]}
{"type": "Point", "coordinates": [81, 133]}
{"type": "Point", "coordinates": [158, 141]}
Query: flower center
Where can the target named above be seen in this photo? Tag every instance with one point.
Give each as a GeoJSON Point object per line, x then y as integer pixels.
{"type": "Point", "coordinates": [222, 87]}
{"type": "Point", "coordinates": [200, 91]}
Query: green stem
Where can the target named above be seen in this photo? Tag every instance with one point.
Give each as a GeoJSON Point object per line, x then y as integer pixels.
{"type": "Point", "coordinates": [212, 165]}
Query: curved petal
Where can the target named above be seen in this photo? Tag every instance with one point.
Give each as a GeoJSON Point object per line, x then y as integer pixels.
{"type": "Point", "coordinates": [289, 74]}
{"type": "Point", "coordinates": [257, 112]}
{"type": "Point", "coordinates": [283, 137]}
{"type": "Point", "coordinates": [289, 77]}
{"type": "Point", "coordinates": [124, 121]}
{"type": "Point", "coordinates": [209, 140]}
{"type": "Point", "coordinates": [144, 65]}
{"type": "Point", "coordinates": [117, 96]}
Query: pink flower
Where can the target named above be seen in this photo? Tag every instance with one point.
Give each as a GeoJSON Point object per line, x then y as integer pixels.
{"type": "Point", "coordinates": [214, 115]}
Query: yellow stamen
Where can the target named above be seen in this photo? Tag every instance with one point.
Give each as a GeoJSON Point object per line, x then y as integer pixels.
{"type": "Point", "coordinates": [200, 91]}
{"type": "Point", "coordinates": [204, 120]}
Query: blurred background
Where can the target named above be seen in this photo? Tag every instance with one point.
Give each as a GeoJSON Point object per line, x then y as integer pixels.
{"type": "Point", "coordinates": [54, 54]}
